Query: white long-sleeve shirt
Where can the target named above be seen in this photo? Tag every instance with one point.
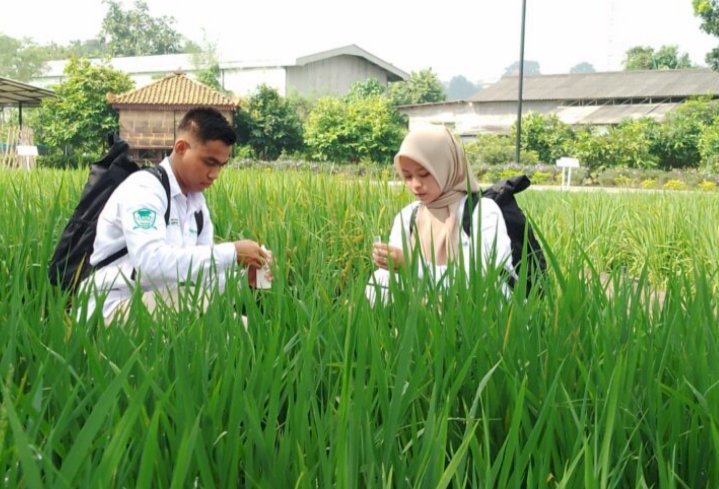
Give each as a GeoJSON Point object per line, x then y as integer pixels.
{"type": "Point", "coordinates": [489, 233]}
{"type": "Point", "coordinates": [162, 255]}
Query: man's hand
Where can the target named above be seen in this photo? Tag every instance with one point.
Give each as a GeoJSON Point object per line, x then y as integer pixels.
{"type": "Point", "coordinates": [384, 256]}
{"type": "Point", "coordinates": [250, 253]}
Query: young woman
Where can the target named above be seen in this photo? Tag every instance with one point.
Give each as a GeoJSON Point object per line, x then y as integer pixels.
{"type": "Point", "coordinates": [432, 165]}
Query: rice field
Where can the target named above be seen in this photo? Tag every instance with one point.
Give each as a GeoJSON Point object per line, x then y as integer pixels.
{"type": "Point", "coordinates": [444, 387]}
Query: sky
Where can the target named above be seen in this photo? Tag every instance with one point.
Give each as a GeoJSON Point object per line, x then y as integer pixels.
{"type": "Point", "coordinates": [477, 39]}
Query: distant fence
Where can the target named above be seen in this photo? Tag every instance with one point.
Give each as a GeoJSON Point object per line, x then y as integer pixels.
{"type": "Point", "coordinates": [17, 150]}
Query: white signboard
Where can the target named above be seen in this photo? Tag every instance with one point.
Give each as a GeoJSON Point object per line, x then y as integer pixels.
{"type": "Point", "coordinates": [26, 150]}
{"type": "Point", "coordinates": [566, 164]}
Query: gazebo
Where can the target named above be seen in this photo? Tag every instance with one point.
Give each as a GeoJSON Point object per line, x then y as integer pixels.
{"type": "Point", "coordinates": [149, 115]}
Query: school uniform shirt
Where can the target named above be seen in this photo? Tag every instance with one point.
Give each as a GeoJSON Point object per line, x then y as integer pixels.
{"type": "Point", "coordinates": [162, 256]}
{"type": "Point", "coordinates": [493, 246]}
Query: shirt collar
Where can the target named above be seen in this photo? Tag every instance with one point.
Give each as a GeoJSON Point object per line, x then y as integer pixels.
{"type": "Point", "coordinates": [194, 199]}
{"type": "Point", "coordinates": [174, 186]}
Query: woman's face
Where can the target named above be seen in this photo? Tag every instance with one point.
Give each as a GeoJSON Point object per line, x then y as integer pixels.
{"type": "Point", "coordinates": [418, 180]}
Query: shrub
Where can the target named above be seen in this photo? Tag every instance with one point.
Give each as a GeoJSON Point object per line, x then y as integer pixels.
{"type": "Point", "coordinates": [545, 135]}
{"type": "Point", "coordinates": [269, 125]}
{"type": "Point", "coordinates": [707, 186]}
{"type": "Point", "coordinates": [674, 184]}
{"type": "Point", "coordinates": [708, 145]}
{"type": "Point", "coordinates": [648, 183]}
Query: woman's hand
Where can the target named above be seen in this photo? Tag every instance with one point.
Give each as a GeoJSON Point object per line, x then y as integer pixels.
{"type": "Point", "coordinates": [385, 256]}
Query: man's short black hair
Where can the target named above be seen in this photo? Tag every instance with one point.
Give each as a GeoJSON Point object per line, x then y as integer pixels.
{"type": "Point", "coordinates": [208, 124]}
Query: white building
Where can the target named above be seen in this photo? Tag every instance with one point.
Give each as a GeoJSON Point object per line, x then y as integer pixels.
{"type": "Point", "coordinates": [325, 73]}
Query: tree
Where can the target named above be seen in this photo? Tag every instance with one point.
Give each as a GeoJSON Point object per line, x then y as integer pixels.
{"type": "Point", "coordinates": [89, 48]}
{"type": "Point", "coordinates": [422, 87]}
{"type": "Point", "coordinates": [665, 58]}
{"type": "Point", "coordinates": [269, 125]}
{"type": "Point", "coordinates": [530, 68]}
{"type": "Point", "coordinates": [459, 88]}
{"type": "Point", "coordinates": [20, 60]}
{"type": "Point", "coordinates": [343, 130]}
{"type": "Point", "coordinates": [135, 32]}
{"type": "Point", "coordinates": [582, 67]}
{"type": "Point", "coordinates": [708, 12]}
{"type": "Point", "coordinates": [79, 117]}
{"type": "Point", "coordinates": [366, 88]}
{"type": "Point", "coordinates": [544, 134]}
{"type": "Point", "coordinates": [207, 65]}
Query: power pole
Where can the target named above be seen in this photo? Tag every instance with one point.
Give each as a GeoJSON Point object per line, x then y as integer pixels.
{"type": "Point", "coordinates": [521, 83]}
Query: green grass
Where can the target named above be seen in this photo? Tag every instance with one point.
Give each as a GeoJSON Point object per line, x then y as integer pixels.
{"type": "Point", "coordinates": [575, 389]}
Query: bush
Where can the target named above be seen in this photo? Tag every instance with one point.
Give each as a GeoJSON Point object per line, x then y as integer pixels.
{"type": "Point", "coordinates": [79, 118]}
{"type": "Point", "coordinates": [707, 186]}
{"type": "Point", "coordinates": [269, 125]}
{"type": "Point", "coordinates": [681, 132]}
{"type": "Point", "coordinates": [352, 130]}
{"type": "Point", "coordinates": [545, 135]}
{"type": "Point", "coordinates": [708, 145]}
{"type": "Point", "coordinates": [675, 184]}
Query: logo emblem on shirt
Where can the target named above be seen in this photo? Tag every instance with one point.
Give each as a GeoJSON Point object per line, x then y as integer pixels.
{"type": "Point", "coordinates": [144, 218]}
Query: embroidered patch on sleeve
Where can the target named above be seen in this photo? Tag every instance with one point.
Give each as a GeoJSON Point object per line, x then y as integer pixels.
{"type": "Point", "coordinates": [144, 218]}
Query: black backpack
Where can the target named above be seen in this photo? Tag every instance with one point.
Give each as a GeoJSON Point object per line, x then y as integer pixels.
{"type": "Point", "coordinates": [70, 264]}
{"type": "Point", "coordinates": [503, 193]}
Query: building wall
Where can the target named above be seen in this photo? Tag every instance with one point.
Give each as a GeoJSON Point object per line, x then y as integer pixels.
{"type": "Point", "coordinates": [244, 81]}
{"type": "Point", "coordinates": [473, 117]}
{"type": "Point", "coordinates": [332, 76]}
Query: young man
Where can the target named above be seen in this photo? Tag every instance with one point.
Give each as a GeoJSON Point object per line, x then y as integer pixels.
{"type": "Point", "coordinates": [162, 256]}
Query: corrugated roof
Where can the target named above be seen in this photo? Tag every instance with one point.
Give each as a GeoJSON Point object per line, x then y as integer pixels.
{"type": "Point", "coordinates": [13, 92]}
{"type": "Point", "coordinates": [173, 90]}
{"type": "Point", "coordinates": [604, 86]}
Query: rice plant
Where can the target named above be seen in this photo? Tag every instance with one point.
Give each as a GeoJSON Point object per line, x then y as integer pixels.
{"type": "Point", "coordinates": [442, 387]}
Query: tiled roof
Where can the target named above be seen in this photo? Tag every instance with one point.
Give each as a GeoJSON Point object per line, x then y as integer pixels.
{"type": "Point", "coordinates": [175, 90]}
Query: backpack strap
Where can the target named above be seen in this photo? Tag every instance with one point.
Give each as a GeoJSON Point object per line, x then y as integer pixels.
{"type": "Point", "coordinates": [161, 175]}
{"type": "Point", "coordinates": [469, 206]}
{"type": "Point", "coordinates": [413, 219]}
{"type": "Point", "coordinates": [199, 220]}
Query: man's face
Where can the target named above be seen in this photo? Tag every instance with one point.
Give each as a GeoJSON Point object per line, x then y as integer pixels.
{"type": "Point", "coordinates": [198, 165]}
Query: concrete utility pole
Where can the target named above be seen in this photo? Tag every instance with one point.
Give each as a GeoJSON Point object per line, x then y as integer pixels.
{"type": "Point", "coordinates": [521, 83]}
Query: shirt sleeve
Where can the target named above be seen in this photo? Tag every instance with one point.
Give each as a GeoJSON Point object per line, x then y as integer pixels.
{"type": "Point", "coordinates": [142, 213]}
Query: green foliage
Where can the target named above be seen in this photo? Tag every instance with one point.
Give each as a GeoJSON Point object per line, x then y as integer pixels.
{"type": "Point", "coordinates": [583, 67]}
{"type": "Point", "coordinates": [79, 118]}
{"type": "Point", "coordinates": [682, 128]}
{"type": "Point", "coordinates": [207, 66]}
{"type": "Point", "coordinates": [708, 12]}
{"type": "Point", "coordinates": [353, 130]}
{"type": "Point", "coordinates": [545, 135]}
{"type": "Point", "coordinates": [422, 87]}
{"type": "Point", "coordinates": [530, 68]}
{"type": "Point", "coordinates": [210, 76]}
{"type": "Point", "coordinates": [708, 145]}
{"type": "Point", "coordinates": [665, 58]}
{"type": "Point", "coordinates": [134, 32]}
{"type": "Point", "coordinates": [628, 144]}
{"type": "Point", "coordinates": [606, 383]}
{"type": "Point", "coordinates": [459, 88]}
{"type": "Point", "coordinates": [20, 60]}
{"type": "Point", "coordinates": [370, 87]}
{"type": "Point", "coordinates": [496, 149]}
{"type": "Point", "coordinates": [268, 124]}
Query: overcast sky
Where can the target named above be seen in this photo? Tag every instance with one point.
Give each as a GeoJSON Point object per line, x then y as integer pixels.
{"type": "Point", "coordinates": [477, 39]}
